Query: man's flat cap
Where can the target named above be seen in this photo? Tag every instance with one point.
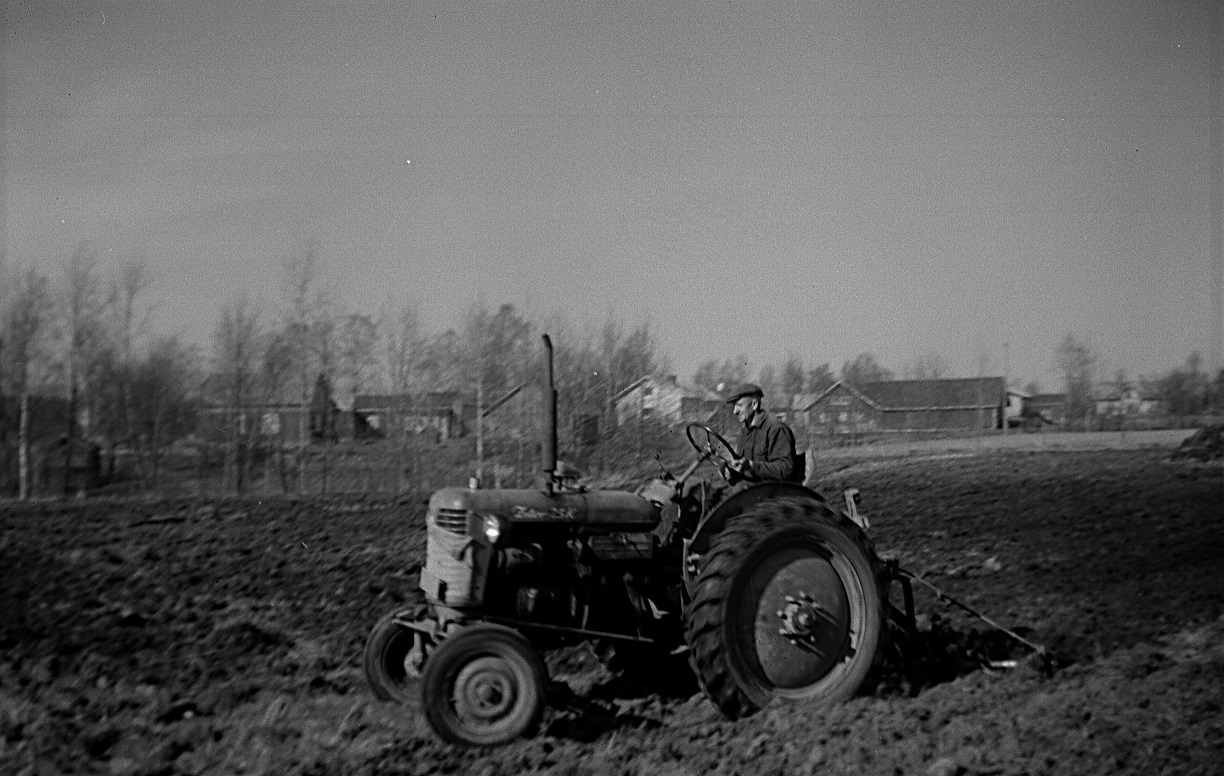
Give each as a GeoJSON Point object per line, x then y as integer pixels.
{"type": "Point", "coordinates": [744, 390]}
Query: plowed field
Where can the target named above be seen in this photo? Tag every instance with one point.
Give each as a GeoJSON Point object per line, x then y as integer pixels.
{"type": "Point", "coordinates": [225, 637]}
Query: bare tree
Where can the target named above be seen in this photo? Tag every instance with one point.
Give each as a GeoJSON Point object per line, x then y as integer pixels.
{"type": "Point", "coordinates": [493, 343]}
{"type": "Point", "coordinates": [1187, 390]}
{"type": "Point", "coordinates": [928, 366]}
{"type": "Point", "coordinates": [821, 378]}
{"type": "Point", "coordinates": [864, 368]}
{"type": "Point", "coordinates": [308, 326]}
{"type": "Point", "coordinates": [706, 375]}
{"type": "Point", "coordinates": [27, 325]}
{"type": "Point", "coordinates": [791, 381]}
{"type": "Point", "coordinates": [358, 346]}
{"type": "Point", "coordinates": [1076, 362]}
{"type": "Point", "coordinates": [162, 396]}
{"type": "Point", "coordinates": [791, 384]}
{"type": "Point", "coordinates": [714, 376]}
{"type": "Point", "coordinates": [82, 307]}
{"type": "Point", "coordinates": [235, 358]}
{"type": "Point", "coordinates": [767, 379]}
{"type": "Point", "coordinates": [638, 354]}
{"type": "Point", "coordinates": [403, 354]}
{"type": "Point", "coordinates": [277, 373]}
{"type": "Point", "coordinates": [117, 367]}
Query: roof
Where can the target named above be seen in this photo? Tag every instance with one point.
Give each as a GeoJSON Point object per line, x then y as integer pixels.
{"type": "Point", "coordinates": [954, 393]}
{"type": "Point", "coordinates": [431, 402]}
{"type": "Point", "coordinates": [686, 391]}
{"type": "Point", "coordinates": [216, 387]}
{"type": "Point", "coordinates": [1114, 391]}
{"type": "Point", "coordinates": [1048, 399]}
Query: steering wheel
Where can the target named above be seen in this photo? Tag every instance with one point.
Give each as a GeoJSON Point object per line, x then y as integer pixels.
{"type": "Point", "coordinates": [709, 443]}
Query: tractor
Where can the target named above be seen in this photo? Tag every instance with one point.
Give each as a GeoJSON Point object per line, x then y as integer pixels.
{"type": "Point", "coordinates": [773, 591]}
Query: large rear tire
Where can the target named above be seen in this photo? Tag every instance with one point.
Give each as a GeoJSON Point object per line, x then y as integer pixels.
{"type": "Point", "coordinates": [787, 604]}
{"type": "Point", "coordinates": [484, 685]}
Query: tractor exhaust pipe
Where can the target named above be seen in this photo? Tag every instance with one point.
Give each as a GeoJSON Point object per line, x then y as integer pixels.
{"type": "Point", "coordinates": [548, 447]}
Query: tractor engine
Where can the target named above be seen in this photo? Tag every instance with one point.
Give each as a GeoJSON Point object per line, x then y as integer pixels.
{"type": "Point", "coordinates": [565, 560]}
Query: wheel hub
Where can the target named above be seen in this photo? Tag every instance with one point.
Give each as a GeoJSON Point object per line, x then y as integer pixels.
{"type": "Point", "coordinates": [414, 658]}
{"type": "Point", "coordinates": [800, 619]}
{"type": "Point", "coordinates": [485, 690]}
{"type": "Point", "coordinates": [800, 612]}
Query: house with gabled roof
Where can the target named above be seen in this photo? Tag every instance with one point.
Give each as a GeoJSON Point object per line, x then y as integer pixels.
{"type": "Point", "coordinates": [1117, 399]}
{"type": "Point", "coordinates": [955, 404]}
{"type": "Point", "coordinates": [666, 400]}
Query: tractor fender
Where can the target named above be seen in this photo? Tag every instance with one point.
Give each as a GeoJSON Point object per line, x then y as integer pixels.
{"type": "Point", "coordinates": [739, 499]}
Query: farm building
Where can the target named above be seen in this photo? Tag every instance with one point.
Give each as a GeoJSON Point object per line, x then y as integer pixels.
{"type": "Point", "coordinates": [908, 405]}
{"type": "Point", "coordinates": [447, 414]}
{"type": "Point", "coordinates": [1115, 399]}
{"type": "Point", "coordinates": [1050, 408]}
{"type": "Point", "coordinates": [665, 400]}
{"type": "Point", "coordinates": [49, 456]}
{"type": "Point", "coordinates": [61, 466]}
{"type": "Point", "coordinates": [48, 416]}
{"type": "Point", "coordinates": [283, 422]}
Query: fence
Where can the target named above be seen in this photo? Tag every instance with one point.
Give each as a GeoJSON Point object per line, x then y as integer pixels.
{"type": "Point", "coordinates": [412, 466]}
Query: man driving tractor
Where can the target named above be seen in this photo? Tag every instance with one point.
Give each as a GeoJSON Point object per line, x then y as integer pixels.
{"type": "Point", "coordinates": [766, 445]}
{"type": "Point", "coordinates": [766, 452]}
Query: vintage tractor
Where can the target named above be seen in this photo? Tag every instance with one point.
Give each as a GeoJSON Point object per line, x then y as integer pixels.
{"type": "Point", "coordinates": [772, 590]}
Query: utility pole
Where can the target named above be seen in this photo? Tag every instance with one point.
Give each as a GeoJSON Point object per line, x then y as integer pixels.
{"type": "Point", "coordinates": [1006, 390]}
{"type": "Point", "coordinates": [1216, 216]}
{"type": "Point", "coordinates": [478, 481]}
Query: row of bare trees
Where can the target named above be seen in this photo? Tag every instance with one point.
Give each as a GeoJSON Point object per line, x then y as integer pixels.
{"type": "Point", "coordinates": [313, 347]}
{"type": "Point", "coordinates": [81, 336]}
{"type": "Point", "coordinates": [79, 367]}
{"type": "Point", "coordinates": [77, 363]}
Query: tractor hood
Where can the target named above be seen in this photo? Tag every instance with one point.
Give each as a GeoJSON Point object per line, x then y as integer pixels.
{"type": "Point", "coordinates": [608, 509]}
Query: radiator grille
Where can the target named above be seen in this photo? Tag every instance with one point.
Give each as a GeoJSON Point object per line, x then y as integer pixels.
{"type": "Point", "coordinates": [453, 520]}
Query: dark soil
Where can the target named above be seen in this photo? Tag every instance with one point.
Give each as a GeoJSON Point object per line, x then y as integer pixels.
{"type": "Point", "coordinates": [225, 638]}
{"type": "Point", "coordinates": [1206, 444]}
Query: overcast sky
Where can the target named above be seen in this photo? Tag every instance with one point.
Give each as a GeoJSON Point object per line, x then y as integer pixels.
{"type": "Point", "coordinates": [817, 179]}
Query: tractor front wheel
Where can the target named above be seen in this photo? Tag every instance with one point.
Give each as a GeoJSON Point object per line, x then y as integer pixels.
{"type": "Point", "coordinates": [787, 604]}
{"type": "Point", "coordinates": [392, 665]}
{"type": "Point", "coordinates": [484, 685]}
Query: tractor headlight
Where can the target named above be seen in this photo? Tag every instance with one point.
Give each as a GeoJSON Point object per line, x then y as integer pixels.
{"type": "Point", "coordinates": [493, 528]}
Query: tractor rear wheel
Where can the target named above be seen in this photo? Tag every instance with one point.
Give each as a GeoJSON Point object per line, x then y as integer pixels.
{"type": "Point", "coordinates": [484, 685]}
{"type": "Point", "coordinates": [787, 604]}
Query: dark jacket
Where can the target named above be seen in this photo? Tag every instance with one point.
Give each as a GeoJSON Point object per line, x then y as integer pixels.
{"type": "Point", "coordinates": [769, 448]}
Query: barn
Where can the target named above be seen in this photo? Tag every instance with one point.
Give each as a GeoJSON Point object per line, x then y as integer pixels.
{"type": "Point", "coordinates": [894, 406]}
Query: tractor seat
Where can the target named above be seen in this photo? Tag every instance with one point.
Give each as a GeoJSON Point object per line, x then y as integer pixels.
{"type": "Point", "coordinates": [799, 469]}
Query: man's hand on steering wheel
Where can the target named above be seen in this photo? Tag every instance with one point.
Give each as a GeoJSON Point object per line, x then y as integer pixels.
{"type": "Point", "coordinates": [737, 469]}
{"type": "Point", "coordinates": [709, 444]}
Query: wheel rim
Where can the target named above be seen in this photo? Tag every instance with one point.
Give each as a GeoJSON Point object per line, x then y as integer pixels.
{"type": "Point", "coordinates": [486, 691]}
{"type": "Point", "coordinates": [396, 661]}
{"type": "Point", "coordinates": [794, 619]}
